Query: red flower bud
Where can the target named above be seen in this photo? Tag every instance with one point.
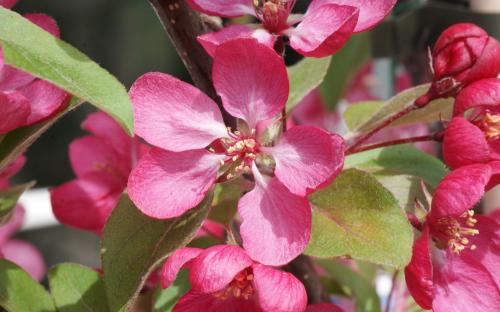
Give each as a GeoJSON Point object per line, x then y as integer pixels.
{"type": "Point", "coordinates": [464, 53]}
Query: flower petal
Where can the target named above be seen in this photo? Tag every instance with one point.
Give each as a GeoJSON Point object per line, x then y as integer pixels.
{"type": "Point", "coordinates": [251, 79]}
{"type": "Point", "coordinates": [46, 100]}
{"type": "Point", "coordinates": [464, 144]}
{"type": "Point", "coordinates": [323, 307]}
{"type": "Point", "coordinates": [306, 157]}
{"type": "Point", "coordinates": [92, 154]}
{"type": "Point", "coordinates": [278, 291]}
{"type": "Point", "coordinates": [8, 3]}
{"type": "Point", "coordinates": [216, 267]}
{"type": "Point", "coordinates": [371, 12]}
{"type": "Point", "coordinates": [224, 8]}
{"type": "Point", "coordinates": [324, 30]}
{"type": "Point", "coordinates": [166, 184]}
{"type": "Point", "coordinates": [103, 126]}
{"type": "Point", "coordinates": [87, 202]}
{"type": "Point", "coordinates": [483, 93]}
{"type": "Point", "coordinates": [194, 301]}
{"type": "Point", "coordinates": [276, 224]}
{"type": "Point", "coordinates": [459, 191]}
{"type": "Point", "coordinates": [13, 168]}
{"type": "Point", "coordinates": [14, 110]}
{"type": "Point", "coordinates": [418, 273]}
{"type": "Point", "coordinates": [174, 115]}
{"type": "Point", "coordinates": [45, 22]}
{"type": "Point", "coordinates": [211, 41]}
{"type": "Point", "coordinates": [176, 262]}
{"type": "Point", "coordinates": [470, 280]}
{"type": "Point", "coordinates": [12, 78]}
{"type": "Point", "coordinates": [26, 256]}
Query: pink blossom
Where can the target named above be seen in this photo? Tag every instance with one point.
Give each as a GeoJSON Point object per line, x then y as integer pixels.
{"type": "Point", "coordinates": [444, 273]}
{"type": "Point", "coordinates": [321, 31]}
{"type": "Point", "coordinates": [8, 3]}
{"type": "Point", "coordinates": [24, 99]}
{"type": "Point", "coordinates": [323, 307]}
{"type": "Point", "coordinates": [224, 278]}
{"type": "Point", "coordinates": [102, 162]}
{"type": "Point", "coordinates": [181, 123]}
{"type": "Point", "coordinates": [475, 138]}
{"type": "Point", "coordinates": [20, 252]}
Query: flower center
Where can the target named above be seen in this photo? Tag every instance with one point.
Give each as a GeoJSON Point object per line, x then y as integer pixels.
{"type": "Point", "coordinates": [491, 126]}
{"type": "Point", "coordinates": [241, 149]}
{"type": "Point", "coordinates": [273, 13]}
{"type": "Point", "coordinates": [240, 288]}
{"type": "Point", "coordinates": [455, 231]}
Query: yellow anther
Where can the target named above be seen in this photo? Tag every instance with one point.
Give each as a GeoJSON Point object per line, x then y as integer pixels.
{"type": "Point", "coordinates": [491, 126]}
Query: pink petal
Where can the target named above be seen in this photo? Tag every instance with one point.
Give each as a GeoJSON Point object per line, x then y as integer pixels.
{"type": "Point", "coordinates": [324, 30]}
{"type": "Point", "coordinates": [87, 202]}
{"type": "Point", "coordinates": [8, 3]}
{"type": "Point", "coordinates": [12, 78]}
{"type": "Point", "coordinates": [212, 228]}
{"type": "Point", "coordinates": [26, 256]}
{"type": "Point", "coordinates": [13, 168]}
{"type": "Point", "coordinates": [459, 191]}
{"type": "Point", "coordinates": [251, 79]}
{"type": "Point", "coordinates": [224, 8]}
{"type": "Point", "coordinates": [464, 144]}
{"type": "Point", "coordinates": [211, 41]}
{"type": "Point", "coordinates": [175, 263]}
{"type": "Point", "coordinates": [470, 280]}
{"type": "Point", "coordinates": [371, 12]}
{"type": "Point", "coordinates": [92, 154]}
{"type": "Point", "coordinates": [276, 224]}
{"type": "Point", "coordinates": [180, 179]}
{"type": "Point", "coordinates": [45, 22]}
{"type": "Point", "coordinates": [278, 291]}
{"type": "Point", "coordinates": [216, 267]}
{"type": "Point", "coordinates": [323, 307]}
{"type": "Point", "coordinates": [46, 100]}
{"type": "Point", "coordinates": [305, 158]}
{"type": "Point", "coordinates": [174, 115]}
{"type": "Point", "coordinates": [14, 110]}
{"type": "Point", "coordinates": [418, 273]}
{"type": "Point", "coordinates": [103, 126]}
{"type": "Point", "coordinates": [483, 93]}
{"type": "Point", "coordinates": [194, 301]}
{"type": "Point", "coordinates": [14, 224]}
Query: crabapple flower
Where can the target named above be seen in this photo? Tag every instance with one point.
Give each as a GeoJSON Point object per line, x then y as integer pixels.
{"type": "Point", "coordinates": [20, 252]}
{"type": "Point", "coordinates": [475, 138]}
{"type": "Point", "coordinates": [225, 278]}
{"type": "Point", "coordinates": [102, 162]}
{"type": "Point", "coordinates": [323, 307]}
{"type": "Point", "coordinates": [444, 273]}
{"type": "Point", "coordinates": [321, 31]}
{"type": "Point", "coordinates": [193, 149]}
{"type": "Point", "coordinates": [7, 3]}
{"type": "Point", "coordinates": [24, 99]}
{"type": "Point", "coordinates": [464, 53]}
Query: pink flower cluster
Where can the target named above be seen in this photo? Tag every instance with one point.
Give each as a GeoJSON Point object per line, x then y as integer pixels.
{"type": "Point", "coordinates": [24, 99]}
{"type": "Point", "coordinates": [458, 250]}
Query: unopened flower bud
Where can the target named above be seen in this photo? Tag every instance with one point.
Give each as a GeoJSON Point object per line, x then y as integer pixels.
{"type": "Point", "coordinates": [464, 53]}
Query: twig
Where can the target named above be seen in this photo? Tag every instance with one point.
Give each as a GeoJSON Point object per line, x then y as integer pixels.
{"type": "Point", "coordinates": [183, 25]}
{"type": "Point", "coordinates": [429, 137]}
{"type": "Point", "coordinates": [393, 288]}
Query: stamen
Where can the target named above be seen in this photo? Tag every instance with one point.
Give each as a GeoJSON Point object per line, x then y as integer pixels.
{"type": "Point", "coordinates": [491, 126]}
{"type": "Point", "coordinates": [240, 288]}
{"type": "Point", "coordinates": [455, 230]}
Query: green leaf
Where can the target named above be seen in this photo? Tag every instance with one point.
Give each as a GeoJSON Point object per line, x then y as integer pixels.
{"type": "Point", "coordinates": [399, 160]}
{"type": "Point", "coordinates": [165, 299]}
{"type": "Point", "coordinates": [304, 77]}
{"type": "Point", "coordinates": [32, 49]}
{"type": "Point", "coordinates": [343, 67]}
{"type": "Point", "coordinates": [225, 202]}
{"type": "Point", "coordinates": [19, 292]}
{"type": "Point", "coordinates": [16, 142]}
{"type": "Point", "coordinates": [356, 216]}
{"type": "Point", "coordinates": [365, 296]}
{"type": "Point", "coordinates": [434, 111]}
{"type": "Point", "coordinates": [357, 113]}
{"type": "Point", "coordinates": [9, 198]}
{"type": "Point", "coordinates": [134, 245]}
{"type": "Point", "coordinates": [77, 288]}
